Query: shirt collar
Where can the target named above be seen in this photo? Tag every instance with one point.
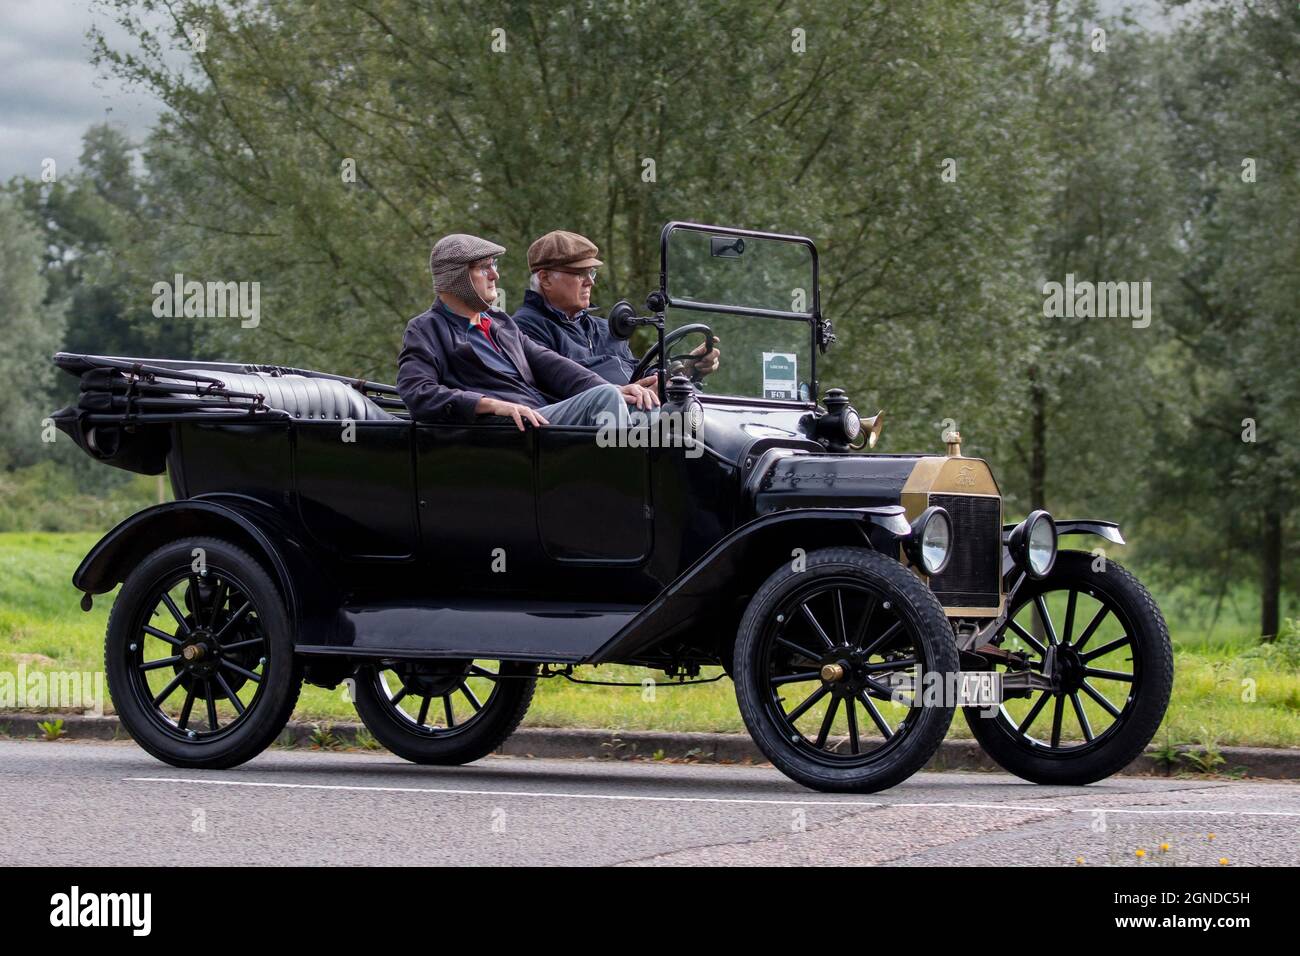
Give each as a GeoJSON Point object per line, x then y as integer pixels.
{"type": "Point", "coordinates": [443, 309]}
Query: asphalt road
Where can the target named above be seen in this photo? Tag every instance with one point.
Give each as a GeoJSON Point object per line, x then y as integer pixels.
{"type": "Point", "coordinates": [75, 803]}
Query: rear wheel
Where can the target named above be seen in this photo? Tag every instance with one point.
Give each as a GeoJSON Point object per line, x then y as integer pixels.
{"type": "Point", "coordinates": [832, 663]}
{"type": "Point", "coordinates": [1101, 635]}
{"type": "Point", "coordinates": [199, 655]}
{"type": "Point", "coordinates": [444, 712]}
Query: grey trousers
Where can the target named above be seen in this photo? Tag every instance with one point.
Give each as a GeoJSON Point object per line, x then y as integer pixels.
{"type": "Point", "coordinates": [591, 407]}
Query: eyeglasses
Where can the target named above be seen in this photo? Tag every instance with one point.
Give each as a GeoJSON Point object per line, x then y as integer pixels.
{"type": "Point", "coordinates": [589, 273]}
{"type": "Point", "coordinates": [485, 269]}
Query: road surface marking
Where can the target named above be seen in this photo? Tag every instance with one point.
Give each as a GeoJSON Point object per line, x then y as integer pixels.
{"type": "Point", "coordinates": [551, 794]}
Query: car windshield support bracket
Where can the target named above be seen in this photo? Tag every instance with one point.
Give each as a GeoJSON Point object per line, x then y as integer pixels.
{"type": "Point", "coordinates": [825, 334]}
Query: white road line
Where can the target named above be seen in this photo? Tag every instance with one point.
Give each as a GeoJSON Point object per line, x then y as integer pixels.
{"type": "Point", "coordinates": [552, 794]}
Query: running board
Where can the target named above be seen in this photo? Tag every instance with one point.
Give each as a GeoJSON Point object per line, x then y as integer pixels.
{"type": "Point", "coordinates": [473, 628]}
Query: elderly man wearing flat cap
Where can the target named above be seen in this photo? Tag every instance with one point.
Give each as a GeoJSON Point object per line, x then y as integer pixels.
{"type": "Point", "coordinates": [462, 359]}
{"type": "Point", "coordinates": [554, 312]}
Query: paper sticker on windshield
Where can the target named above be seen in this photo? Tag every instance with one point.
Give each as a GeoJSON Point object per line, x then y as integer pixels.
{"type": "Point", "coordinates": [780, 373]}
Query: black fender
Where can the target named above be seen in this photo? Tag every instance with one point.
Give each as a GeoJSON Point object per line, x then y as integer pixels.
{"type": "Point", "coordinates": [1109, 530]}
{"type": "Point", "coordinates": [1103, 529]}
{"type": "Point", "coordinates": [245, 522]}
{"type": "Point", "coordinates": [710, 595]}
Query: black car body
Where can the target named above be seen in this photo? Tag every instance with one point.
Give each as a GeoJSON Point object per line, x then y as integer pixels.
{"type": "Point", "coordinates": [396, 544]}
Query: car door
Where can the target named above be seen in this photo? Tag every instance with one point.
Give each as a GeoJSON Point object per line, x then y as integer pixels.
{"type": "Point", "coordinates": [493, 499]}
{"type": "Point", "coordinates": [593, 498]}
{"type": "Point", "coordinates": [354, 485]}
{"type": "Point", "coordinates": [476, 501]}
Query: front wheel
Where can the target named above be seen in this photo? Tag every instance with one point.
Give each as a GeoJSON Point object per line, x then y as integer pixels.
{"type": "Point", "coordinates": [835, 667]}
{"type": "Point", "coordinates": [444, 712]}
{"type": "Point", "coordinates": [1095, 629]}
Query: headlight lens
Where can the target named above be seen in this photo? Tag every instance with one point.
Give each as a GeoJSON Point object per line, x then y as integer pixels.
{"type": "Point", "coordinates": [1033, 544]}
{"type": "Point", "coordinates": [930, 545]}
{"type": "Point", "coordinates": [936, 542]}
{"type": "Point", "coordinates": [1042, 546]}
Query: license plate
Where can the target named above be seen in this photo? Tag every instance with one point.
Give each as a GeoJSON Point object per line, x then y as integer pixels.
{"type": "Point", "coordinates": [980, 688]}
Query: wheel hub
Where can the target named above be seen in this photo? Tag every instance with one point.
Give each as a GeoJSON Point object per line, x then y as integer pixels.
{"type": "Point", "coordinates": [434, 679]}
{"type": "Point", "coordinates": [834, 672]}
{"type": "Point", "coordinates": [1069, 668]}
{"type": "Point", "coordinates": [201, 660]}
{"type": "Point", "coordinates": [844, 671]}
{"type": "Point", "coordinates": [200, 655]}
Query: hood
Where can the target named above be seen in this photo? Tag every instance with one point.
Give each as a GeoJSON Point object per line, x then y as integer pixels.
{"type": "Point", "coordinates": [787, 478]}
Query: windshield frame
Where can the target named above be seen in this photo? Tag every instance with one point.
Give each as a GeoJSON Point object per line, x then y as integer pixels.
{"type": "Point", "coordinates": [813, 318]}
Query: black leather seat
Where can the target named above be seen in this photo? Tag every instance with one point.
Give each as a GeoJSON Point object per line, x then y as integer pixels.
{"type": "Point", "coordinates": [311, 399]}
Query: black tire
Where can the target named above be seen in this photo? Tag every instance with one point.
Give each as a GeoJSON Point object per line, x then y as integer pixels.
{"type": "Point", "coordinates": [874, 608]}
{"type": "Point", "coordinates": [412, 732]}
{"type": "Point", "coordinates": [240, 654]}
{"type": "Point", "coordinates": [1112, 601]}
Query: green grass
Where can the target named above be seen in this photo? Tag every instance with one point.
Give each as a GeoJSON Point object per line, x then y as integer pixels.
{"type": "Point", "coordinates": [42, 626]}
{"type": "Point", "coordinates": [40, 620]}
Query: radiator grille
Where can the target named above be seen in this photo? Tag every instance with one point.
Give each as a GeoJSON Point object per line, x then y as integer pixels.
{"type": "Point", "coordinates": [972, 578]}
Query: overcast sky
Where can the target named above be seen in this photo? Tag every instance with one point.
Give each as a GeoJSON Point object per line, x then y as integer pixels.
{"type": "Point", "coordinates": [49, 92]}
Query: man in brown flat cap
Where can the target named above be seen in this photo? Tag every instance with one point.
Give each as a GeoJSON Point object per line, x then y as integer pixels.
{"type": "Point", "coordinates": [462, 359]}
{"type": "Point", "coordinates": [554, 312]}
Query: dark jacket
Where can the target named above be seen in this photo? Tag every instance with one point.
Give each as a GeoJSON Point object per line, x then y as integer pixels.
{"type": "Point", "coordinates": [441, 379]}
{"type": "Point", "coordinates": [583, 338]}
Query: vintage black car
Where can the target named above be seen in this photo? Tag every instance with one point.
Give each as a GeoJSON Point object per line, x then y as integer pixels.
{"type": "Point", "coordinates": [855, 599]}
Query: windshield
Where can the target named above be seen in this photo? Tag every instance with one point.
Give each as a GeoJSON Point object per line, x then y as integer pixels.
{"type": "Point", "coordinates": [767, 356]}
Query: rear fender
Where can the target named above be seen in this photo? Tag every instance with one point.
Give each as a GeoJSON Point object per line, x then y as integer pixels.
{"type": "Point", "coordinates": [243, 522]}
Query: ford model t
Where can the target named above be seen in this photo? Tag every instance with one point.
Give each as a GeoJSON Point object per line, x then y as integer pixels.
{"type": "Point", "coordinates": [855, 599]}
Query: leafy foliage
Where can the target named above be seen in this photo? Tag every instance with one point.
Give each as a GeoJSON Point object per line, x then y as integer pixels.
{"type": "Point", "coordinates": [31, 329]}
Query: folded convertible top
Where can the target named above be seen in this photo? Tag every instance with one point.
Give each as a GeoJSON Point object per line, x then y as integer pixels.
{"type": "Point", "coordinates": [121, 397]}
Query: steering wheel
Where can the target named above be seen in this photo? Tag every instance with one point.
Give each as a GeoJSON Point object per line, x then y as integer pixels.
{"type": "Point", "coordinates": [651, 356]}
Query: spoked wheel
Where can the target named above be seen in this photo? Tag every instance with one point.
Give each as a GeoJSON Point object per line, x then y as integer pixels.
{"type": "Point", "coordinates": [444, 712]}
{"type": "Point", "coordinates": [1099, 633]}
{"type": "Point", "coordinates": [832, 663]}
{"type": "Point", "coordinates": [199, 655]}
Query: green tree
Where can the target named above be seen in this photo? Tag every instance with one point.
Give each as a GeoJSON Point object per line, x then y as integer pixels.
{"type": "Point", "coordinates": [31, 328]}
{"type": "Point", "coordinates": [1225, 480]}
{"type": "Point", "coordinates": [1086, 387]}
{"type": "Point", "coordinates": [90, 219]}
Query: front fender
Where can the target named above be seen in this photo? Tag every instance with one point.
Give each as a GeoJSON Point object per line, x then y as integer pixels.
{"type": "Point", "coordinates": [738, 564]}
{"type": "Point", "coordinates": [1102, 529]}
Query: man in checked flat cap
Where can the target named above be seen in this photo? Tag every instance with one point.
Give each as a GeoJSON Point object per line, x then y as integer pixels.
{"type": "Point", "coordinates": [462, 359]}
{"type": "Point", "coordinates": [562, 267]}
